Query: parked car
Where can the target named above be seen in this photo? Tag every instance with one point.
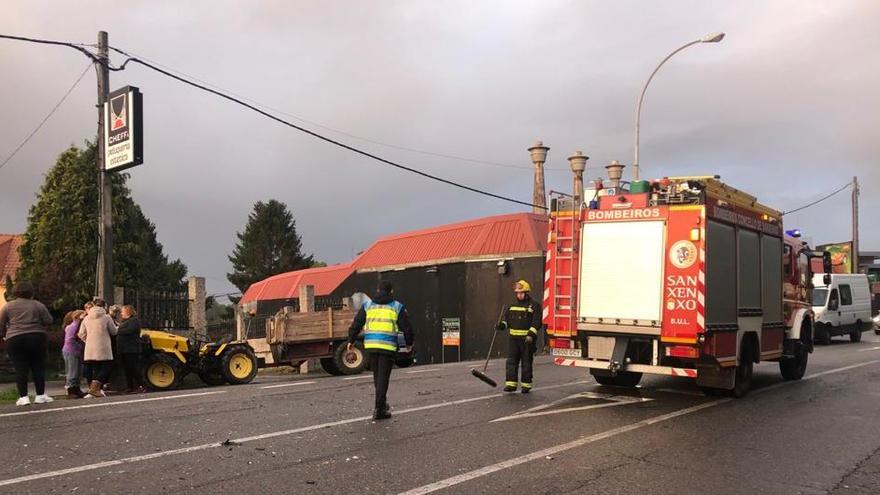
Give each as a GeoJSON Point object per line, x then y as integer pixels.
{"type": "Point", "coordinates": [877, 324]}
{"type": "Point", "coordinates": [842, 307]}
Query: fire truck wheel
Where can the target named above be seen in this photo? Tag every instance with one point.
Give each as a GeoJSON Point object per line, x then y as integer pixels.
{"type": "Point", "coordinates": [856, 334]}
{"type": "Point", "coordinates": [743, 374]}
{"type": "Point", "coordinates": [794, 368]}
{"type": "Point", "coordinates": [823, 334]}
{"type": "Point", "coordinates": [622, 379]}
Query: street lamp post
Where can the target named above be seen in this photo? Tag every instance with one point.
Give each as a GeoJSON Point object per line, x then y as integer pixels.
{"type": "Point", "coordinates": [709, 38]}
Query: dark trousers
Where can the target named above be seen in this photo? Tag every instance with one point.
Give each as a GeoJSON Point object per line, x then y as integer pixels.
{"type": "Point", "coordinates": [519, 353]}
{"type": "Point", "coordinates": [28, 355]}
{"type": "Point", "coordinates": [98, 370]}
{"type": "Point", "coordinates": [381, 365]}
{"type": "Point", "coordinates": [131, 364]}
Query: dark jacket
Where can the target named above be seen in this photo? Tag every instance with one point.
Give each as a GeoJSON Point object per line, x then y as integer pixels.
{"type": "Point", "coordinates": [128, 337]}
{"type": "Point", "coordinates": [403, 323]}
{"type": "Point", "coordinates": [523, 317]}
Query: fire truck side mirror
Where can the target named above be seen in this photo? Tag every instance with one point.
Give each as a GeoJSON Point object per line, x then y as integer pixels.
{"type": "Point", "coordinates": [826, 263]}
{"type": "Point", "coordinates": [826, 279]}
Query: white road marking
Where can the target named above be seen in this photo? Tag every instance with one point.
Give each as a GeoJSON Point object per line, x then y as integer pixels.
{"type": "Point", "coordinates": [516, 461]}
{"type": "Point", "coordinates": [109, 403]}
{"type": "Point", "coordinates": [206, 446]}
{"type": "Point", "coordinates": [613, 400]}
{"type": "Point", "coordinates": [869, 349]}
{"type": "Point", "coordinates": [294, 384]}
{"type": "Point", "coordinates": [422, 371]}
{"type": "Point", "coordinates": [358, 377]}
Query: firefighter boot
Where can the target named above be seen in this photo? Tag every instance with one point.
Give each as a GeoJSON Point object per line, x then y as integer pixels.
{"type": "Point", "coordinates": [381, 413]}
{"type": "Point", "coordinates": [510, 386]}
{"type": "Point", "coordinates": [525, 387]}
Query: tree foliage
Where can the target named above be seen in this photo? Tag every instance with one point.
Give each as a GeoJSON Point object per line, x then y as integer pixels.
{"type": "Point", "coordinates": [269, 245]}
{"type": "Point", "coordinates": [60, 249]}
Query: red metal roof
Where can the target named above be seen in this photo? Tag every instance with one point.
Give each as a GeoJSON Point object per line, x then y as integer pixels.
{"type": "Point", "coordinates": [9, 259]}
{"type": "Point", "coordinates": [500, 235]}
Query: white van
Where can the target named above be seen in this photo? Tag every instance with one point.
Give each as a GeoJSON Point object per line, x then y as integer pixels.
{"type": "Point", "coordinates": [841, 308]}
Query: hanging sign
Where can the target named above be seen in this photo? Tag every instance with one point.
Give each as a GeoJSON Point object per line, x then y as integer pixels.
{"type": "Point", "coordinates": [123, 129]}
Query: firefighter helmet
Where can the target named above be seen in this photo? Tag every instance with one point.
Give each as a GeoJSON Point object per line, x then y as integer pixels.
{"type": "Point", "coordinates": [522, 286]}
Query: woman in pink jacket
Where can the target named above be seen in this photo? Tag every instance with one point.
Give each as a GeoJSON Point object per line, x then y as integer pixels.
{"type": "Point", "coordinates": [95, 330]}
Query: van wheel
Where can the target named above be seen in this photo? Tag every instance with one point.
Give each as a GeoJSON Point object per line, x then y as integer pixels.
{"type": "Point", "coordinates": [856, 334]}
{"type": "Point", "coordinates": [622, 379]}
{"type": "Point", "coordinates": [743, 373]}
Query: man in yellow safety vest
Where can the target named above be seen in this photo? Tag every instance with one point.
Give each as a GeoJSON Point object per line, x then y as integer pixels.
{"type": "Point", "coordinates": [382, 320]}
{"type": "Point", "coordinates": [522, 321]}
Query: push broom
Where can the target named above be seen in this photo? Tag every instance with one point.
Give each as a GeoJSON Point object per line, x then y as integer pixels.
{"type": "Point", "coordinates": [481, 375]}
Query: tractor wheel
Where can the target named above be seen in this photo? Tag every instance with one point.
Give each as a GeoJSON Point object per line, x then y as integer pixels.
{"type": "Point", "coordinates": [622, 379]}
{"type": "Point", "coordinates": [238, 365]}
{"type": "Point", "coordinates": [350, 362]}
{"type": "Point", "coordinates": [162, 372]}
{"type": "Point", "coordinates": [212, 378]}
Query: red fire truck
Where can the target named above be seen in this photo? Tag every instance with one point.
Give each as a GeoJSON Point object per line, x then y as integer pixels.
{"type": "Point", "coordinates": [688, 277]}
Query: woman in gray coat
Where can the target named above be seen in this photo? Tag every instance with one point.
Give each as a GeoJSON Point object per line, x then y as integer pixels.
{"type": "Point", "coordinates": [23, 324]}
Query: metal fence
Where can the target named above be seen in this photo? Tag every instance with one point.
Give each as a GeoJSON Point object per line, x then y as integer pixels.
{"type": "Point", "coordinates": [161, 310]}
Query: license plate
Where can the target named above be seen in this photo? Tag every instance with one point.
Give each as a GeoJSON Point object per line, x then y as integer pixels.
{"type": "Point", "coordinates": [566, 352]}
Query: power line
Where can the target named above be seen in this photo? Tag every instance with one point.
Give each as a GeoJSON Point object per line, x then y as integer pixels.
{"type": "Point", "coordinates": [818, 200]}
{"type": "Point", "coordinates": [320, 136]}
{"type": "Point", "coordinates": [47, 117]}
{"type": "Point", "coordinates": [328, 128]}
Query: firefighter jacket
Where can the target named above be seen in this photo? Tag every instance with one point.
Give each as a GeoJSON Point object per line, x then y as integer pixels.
{"type": "Point", "coordinates": [381, 319]}
{"type": "Point", "coordinates": [523, 318]}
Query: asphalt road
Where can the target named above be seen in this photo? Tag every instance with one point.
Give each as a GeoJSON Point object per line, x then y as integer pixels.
{"type": "Point", "coordinates": [453, 434]}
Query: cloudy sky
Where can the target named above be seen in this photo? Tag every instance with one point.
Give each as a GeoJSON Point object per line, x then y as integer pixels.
{"type": "Point", "coordinates": [786, 107]}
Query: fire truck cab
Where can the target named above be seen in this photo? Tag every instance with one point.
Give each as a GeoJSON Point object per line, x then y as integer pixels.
{"type": "Point", "coordinates": [681, 276]}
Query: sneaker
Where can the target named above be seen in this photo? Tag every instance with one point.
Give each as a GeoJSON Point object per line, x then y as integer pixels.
{"type": "Point", "coordinates": [43, 399]}
{"type": "Point", "coordinates": [23, 401]}
{"type": "Point", "coordinates": [88, 396]}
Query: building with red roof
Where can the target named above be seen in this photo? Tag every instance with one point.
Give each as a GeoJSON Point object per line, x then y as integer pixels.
{"type": "Point", "coordinates": [455, 275]}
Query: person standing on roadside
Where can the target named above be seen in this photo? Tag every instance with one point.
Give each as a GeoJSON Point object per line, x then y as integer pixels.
{"type": "Point", "coordinates": [96, 330]}
{"type": "Point", "coordinates": [382, 319]}
{"type": "Point", "coordinates": [23, 325]}
{"type": "Point", "coordinates": [73, 353]}
{"type": "Point", "coordinates": [128, 343]}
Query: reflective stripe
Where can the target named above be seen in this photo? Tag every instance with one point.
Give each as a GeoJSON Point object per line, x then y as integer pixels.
{"type": "Point", "coordinates": [380, 330]}
{"type": "Point", "coordinates": [519, 308]}
{"type": "Point", "coordinates": [526, 385]}
{"type": "Point", "coordinates": [533, 330]}
{"type": "Point", "coordinates": [510, 384]}
{"type": "Point", "coordinates": [518, 333]}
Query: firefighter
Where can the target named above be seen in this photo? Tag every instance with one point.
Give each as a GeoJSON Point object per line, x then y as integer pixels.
{"type": "Point", "coordinates": [381, 319]}
{"type": "Point", "coordinates": [522, 320]}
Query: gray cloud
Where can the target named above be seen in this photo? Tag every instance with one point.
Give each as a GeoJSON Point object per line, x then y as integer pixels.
{"type": "Point", "coordinates": [786, 107]}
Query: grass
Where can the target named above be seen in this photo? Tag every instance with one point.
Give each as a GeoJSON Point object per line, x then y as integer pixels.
{"type": "Point", "coordinates": [8, 395]}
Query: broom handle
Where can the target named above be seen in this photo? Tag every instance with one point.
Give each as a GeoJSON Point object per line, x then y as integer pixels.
{"type": "Point", "coordinates": [494, 334]}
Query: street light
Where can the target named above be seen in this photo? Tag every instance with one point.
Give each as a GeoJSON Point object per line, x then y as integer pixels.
{"type": "Point", "coordinates": [709, 38]}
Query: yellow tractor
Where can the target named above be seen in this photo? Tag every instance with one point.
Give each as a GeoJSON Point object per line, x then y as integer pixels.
{"type": "Point", "coordinates": [167, 358]}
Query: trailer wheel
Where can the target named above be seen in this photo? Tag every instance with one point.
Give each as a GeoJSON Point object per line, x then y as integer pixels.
{"type": "Point", "coordinates": [349, 362]}
{"type": "Point", "coordinates": [329, 366]}
{"type": "Point", "coordinates": [856, 334]}
{"type": "Point", "coordinates": [239, 365]}
{"type": "Point", "coordinates": [162, 372]}
{"type": "Point", "coordinates": [622, 379]}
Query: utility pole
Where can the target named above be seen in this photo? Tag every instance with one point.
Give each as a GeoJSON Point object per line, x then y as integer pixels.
{"type": "Point", "coordinates": [105, 214]}
{"type": "Point", "coordinates": [855, 225]}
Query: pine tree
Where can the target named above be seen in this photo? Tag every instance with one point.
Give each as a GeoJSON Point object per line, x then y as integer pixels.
{"type": "Point", "coordinates": [60, 248]}
{"type": "Point", "coordinates": [269, 245]}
